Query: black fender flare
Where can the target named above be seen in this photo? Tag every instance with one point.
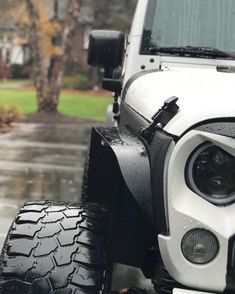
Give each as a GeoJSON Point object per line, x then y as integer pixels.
{"type": "Point", "coordinates": [119, 176]}
{"type": "Point", "coordinates": [132, 160]}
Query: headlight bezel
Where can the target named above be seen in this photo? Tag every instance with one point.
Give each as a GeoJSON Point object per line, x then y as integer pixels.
{"type": "Point", "coordinates": [189, 177]}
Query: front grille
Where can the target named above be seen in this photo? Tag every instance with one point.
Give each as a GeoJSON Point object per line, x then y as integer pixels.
{"type": "Point", "coordinates": [230, 276]}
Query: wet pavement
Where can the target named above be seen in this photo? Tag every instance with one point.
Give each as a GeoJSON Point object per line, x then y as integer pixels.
{"type": "Point", "coordinates": [40, 161]}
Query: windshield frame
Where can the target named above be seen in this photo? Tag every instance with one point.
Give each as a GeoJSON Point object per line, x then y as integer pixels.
{"type": "Point", "coordinates": [150, 11]}
{"type": "Point", "coordinates": [145, 48]}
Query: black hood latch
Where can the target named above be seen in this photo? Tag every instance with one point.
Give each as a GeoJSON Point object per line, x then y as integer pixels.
{"type": "Point", "coordinates": [161, 118]}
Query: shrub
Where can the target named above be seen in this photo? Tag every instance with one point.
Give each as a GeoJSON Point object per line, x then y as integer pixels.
{"type": "Point", "coordinates": [77, 82]}
{"type": "Point", "coordinates": [19, 71]}
{"type": "Point", "coordinates": [10, 113]}
{"type": "Point", "coordinates": [16, 71]}
{"type": "Point", "coordinates": [73, 67]}
{"type": "Point", "coordinates": [4, 70]}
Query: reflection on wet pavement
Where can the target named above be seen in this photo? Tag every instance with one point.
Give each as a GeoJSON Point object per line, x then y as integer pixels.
{"type": "Point", "coordinates": [40, 162]}
{"type": "Point", "coordinates": [34, 185]}
{"type": "Point", "coordinates": [56, 133]}
{"type": "Point", "coordinates": [43, 161]}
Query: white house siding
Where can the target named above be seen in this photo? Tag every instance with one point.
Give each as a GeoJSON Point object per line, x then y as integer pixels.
{"type": "Point", "coordinates": [17, 55]}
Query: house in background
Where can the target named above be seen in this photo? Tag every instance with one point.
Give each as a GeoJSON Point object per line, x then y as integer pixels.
{"type": "Point", "coordinates": [15, 50]}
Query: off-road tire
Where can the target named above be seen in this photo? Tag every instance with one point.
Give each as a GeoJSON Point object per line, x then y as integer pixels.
{"type": "Point", "coordinates": [57, 249]}
{"type": "Point", "coordinates": [84, 190]}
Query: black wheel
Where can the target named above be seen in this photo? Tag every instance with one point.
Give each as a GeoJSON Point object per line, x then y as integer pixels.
{"type": "Point", "coordinates": [57, 249]}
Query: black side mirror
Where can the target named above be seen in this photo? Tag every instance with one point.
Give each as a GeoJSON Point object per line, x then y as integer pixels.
{"type": "Point", "coordinates": [106, 50]}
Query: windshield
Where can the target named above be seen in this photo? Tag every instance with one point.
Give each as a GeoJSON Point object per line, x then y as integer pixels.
{"type": "Point", "coordinates": [189, 23]}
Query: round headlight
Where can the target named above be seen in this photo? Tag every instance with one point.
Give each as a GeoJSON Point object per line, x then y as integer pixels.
{"type": "Point", "coordinates": [211, 174]}
{"type": "Point", "coordinates": [200, 246]}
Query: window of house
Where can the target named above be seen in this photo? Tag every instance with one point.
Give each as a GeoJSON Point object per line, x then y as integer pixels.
{"type": "Point", "coordinates": [8, 55]}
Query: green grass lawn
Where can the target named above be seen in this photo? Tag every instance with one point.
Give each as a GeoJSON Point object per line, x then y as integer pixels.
{"type": "Point", "coordinates": [81, 105]}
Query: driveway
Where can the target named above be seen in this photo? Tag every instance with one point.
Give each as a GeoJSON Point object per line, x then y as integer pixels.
{"type": "Point", "coordinates": [42, 161]}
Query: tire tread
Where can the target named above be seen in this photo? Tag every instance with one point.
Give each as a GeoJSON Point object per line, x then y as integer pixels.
{"type": "Point", "coordinates": [56, 248]}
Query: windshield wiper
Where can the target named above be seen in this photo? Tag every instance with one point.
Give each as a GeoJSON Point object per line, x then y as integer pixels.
{"type": "Point", "coordinates": [193, 51]}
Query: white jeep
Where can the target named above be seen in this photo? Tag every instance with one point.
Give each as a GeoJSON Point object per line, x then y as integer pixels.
{"type": "Point", "coordinates": [159, 185]}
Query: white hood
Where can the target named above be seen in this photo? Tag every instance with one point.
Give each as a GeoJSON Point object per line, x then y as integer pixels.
{"type": "Point", "coordinates": [203, 94]}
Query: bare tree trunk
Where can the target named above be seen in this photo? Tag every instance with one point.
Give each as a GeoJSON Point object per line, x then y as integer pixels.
{"type": "Point", "coordinates": [49, 73]}
{"type": "Point", "coordinates": [67, 34]}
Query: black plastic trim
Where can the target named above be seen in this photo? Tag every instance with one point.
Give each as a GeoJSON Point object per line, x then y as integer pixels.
{"type": "Point", "coordinates": [220, 128]}
{"type": "Point", "coordinates": [230, 276]}
{"type": "Point", "coordinates": [157, 152]}
{"type": "Point", "coordinates": [213, 126]}
{"type": "Point", "coordinates": [119, 177]}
